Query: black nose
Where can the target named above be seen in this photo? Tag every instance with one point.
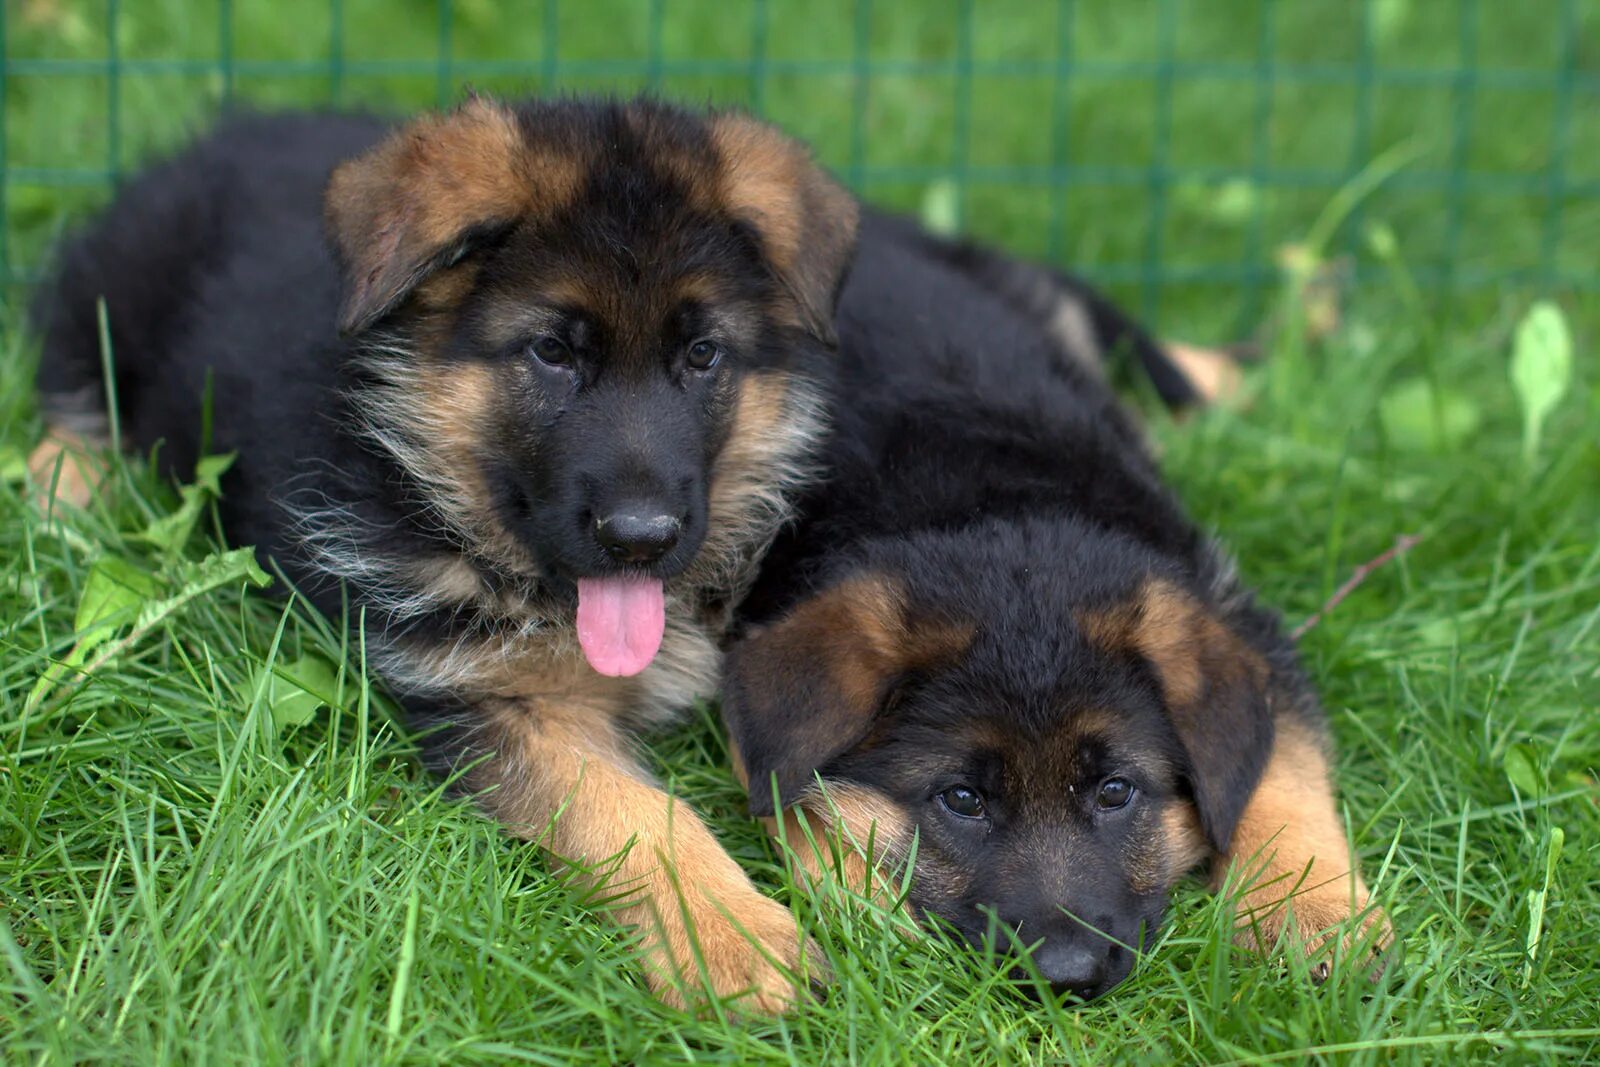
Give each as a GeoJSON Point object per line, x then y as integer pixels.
{"type": "Point", "coordinates": [637, 535]}
{"type": "Point", "coordinates": [1070, 966]}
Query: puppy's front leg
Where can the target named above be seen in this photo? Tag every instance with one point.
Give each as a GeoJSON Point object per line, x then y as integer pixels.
{"type": "Point", "coordinates": [563, 776]}
{"type": "Point", "coordinates": [1290, 853]}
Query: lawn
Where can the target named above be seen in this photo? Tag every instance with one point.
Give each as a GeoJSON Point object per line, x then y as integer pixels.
{"type": "Point", "coordinates": [200, 863]}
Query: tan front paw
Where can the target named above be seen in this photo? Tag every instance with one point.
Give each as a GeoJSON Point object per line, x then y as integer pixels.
{"type": "Point", "coordinates": [1325, 921]}
{"type": "Point", "coordinates": [745, 951]}
{"type": "Point", "coordinates": [64, 469]}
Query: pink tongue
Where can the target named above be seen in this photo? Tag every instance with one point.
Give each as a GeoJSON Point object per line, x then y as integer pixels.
{"type": "Point", "coordinates": [620, 623]}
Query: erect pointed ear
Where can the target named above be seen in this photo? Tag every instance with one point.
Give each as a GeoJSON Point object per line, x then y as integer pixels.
{"type": "Point", "coordinates": [1214, 686]}
{"type": "Point", "coordinates": [810, 687]}
{"type": "Point", "coordinates": [806, 220]}
{"type": "Point", "coordinates": [425, 195]}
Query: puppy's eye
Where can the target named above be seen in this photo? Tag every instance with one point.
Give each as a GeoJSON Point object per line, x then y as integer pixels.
{"type": "Point", "coordinates": [963, 801]}
{"type": "Point", "coordinates": [1114, 793]}
{"type": "Point", "coordinates": [547, 348]}
{"type": "Point", "coordinates": [704, 354]}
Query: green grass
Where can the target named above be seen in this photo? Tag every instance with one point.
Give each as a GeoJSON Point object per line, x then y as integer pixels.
{"type": "Point", "coordinates": [186, 875]}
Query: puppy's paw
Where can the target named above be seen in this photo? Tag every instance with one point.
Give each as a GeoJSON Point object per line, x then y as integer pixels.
{"type": "Point", "coordinates": [1322, 922]}
{"type": "Point", "coordinates": [743, 948]}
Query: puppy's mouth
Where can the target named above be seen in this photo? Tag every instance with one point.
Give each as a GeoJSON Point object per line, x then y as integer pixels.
{"type": "Point", "coordinates": [621, 616]}
{"type": "Point", "coordinates": [621, 620]}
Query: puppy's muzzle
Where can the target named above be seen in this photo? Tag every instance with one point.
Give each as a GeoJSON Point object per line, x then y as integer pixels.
{"type": "Point", "coordinates": [640, 533]}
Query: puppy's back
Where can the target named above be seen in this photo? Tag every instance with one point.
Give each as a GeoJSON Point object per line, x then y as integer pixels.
{"type": "Point", "coordinates": [955, 406]}
{"type": "Point", "coordinates": [217, 280]}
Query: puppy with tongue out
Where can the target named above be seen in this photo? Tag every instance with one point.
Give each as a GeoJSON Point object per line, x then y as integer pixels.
{"type": "Point", "coordinates": [606, 384]}
{"type": "Point", "coordinates": [532, 413]}
{"type": "Point", "coordinates": [624, 397]}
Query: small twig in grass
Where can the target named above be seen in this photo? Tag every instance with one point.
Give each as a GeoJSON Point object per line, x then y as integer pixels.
{"type": "Point", "coordinates": [1359, 575]}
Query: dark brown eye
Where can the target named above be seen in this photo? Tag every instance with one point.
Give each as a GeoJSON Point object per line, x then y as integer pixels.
{"type": "Point", "coordinates": [1114, 793]}
{"type": "Point", "coordinates": [547, 348]}
{"type": "Point", "coordinates": [962, 801]}
{"type": "Point", "coordinates": [703, 354]}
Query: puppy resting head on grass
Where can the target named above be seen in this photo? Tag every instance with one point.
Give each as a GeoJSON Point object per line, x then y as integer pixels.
{"type": "Point", "coordinates": [1064, 737]}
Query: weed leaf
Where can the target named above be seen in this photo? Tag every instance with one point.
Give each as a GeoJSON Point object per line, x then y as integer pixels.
{"type": "Point", "coordinates": [171, 532]}
{"type": "Point", "coordinates": [1521, 765]}
{"type": "Point", "coordinates": [1537, 898]}
{"type": "Point", "coordinates": [296, 690]}
{"type": "Point", "coordinates": [1541, 369]}
{"type": "Point", "coordinates": [113, 591]}
{"type": "Point", "coordinates": [1417, 417]}
{"type": "Point", "coordinates": [13, 465]}
{"type": "Point", "coordinates": [124, 593]}
{"type": "Point", "coordinates": [941, 208]}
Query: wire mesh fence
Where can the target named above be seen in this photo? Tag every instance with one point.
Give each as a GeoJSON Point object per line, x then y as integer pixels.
{"type": "Point", "coordinates": [1168, 148]}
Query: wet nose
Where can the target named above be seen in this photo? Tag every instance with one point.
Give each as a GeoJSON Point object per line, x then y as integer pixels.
{"type": "Point", "coordinates": [637, 534]}
{"type": "Point", "coordinates": [1071, 966]}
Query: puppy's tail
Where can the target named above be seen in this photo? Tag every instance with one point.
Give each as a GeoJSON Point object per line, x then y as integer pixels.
{"type": "Point", "coordinates": [1090, 330]}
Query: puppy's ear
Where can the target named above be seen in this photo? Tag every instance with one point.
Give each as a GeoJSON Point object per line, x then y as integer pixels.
{"type": "Point", "coordinates": [424, 196]}
{"type": "Point", "coordinates": [811, 686]}
{"type": "Point", "coordinates": [806, 220]}
{"type": "Point", "coordinates": [1215, 689]}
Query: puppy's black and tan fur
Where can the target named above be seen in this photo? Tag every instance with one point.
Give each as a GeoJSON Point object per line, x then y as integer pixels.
{"type": "Point", "coordinates": [469, 364]}
{"type": "Point", "coordinates": [996, 633]}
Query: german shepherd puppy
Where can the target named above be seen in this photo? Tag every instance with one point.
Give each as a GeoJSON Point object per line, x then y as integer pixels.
{"type": "Point", "coordinates": [995, 633]}
{"type": "Point", "coordinates": [534, 383]}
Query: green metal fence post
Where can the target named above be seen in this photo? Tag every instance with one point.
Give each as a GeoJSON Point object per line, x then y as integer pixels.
{"type": "Point", "coordinates": [225, 47]}
{"type": "Point", "coordinates": [336, 52]}
{"type": "Point", "coordinates": [113, 92]}
{"type": "Point", "coordinates": [1561, 144]}
{"type": "Point", "coordinates": [1149, 270]}
{"type": "Point", "coordinates": [1361, 132]}
{"type": "Point", "coordinates": [1261, 151]}
{"type": "Point", "coordinates": [758, 58]}
{"type": "Point", "coordinates": [444, 88]}
{"type": "Point", "coordinates": [860, 53]}
{"type": "Point", "coordinates": [5, 159]}
{"type": "Point", "coordinates": [1466, 84]}
{"type": "Point", "coordinates": [1061, 128]}
{"type": "Point", "coordinates": [961, 135]}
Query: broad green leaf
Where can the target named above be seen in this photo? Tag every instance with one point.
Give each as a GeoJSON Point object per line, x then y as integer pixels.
{"type": "Point", "coordinates": [1541, 369]}
{"type": "Point", "coordinates": [1521, 765]}
{"type": "Point", "coordinates": [171, 532]}
{"type": "Point", "coordinates": [1418, 418]}
{"type": "Point", "coordinates": [192, 580]}
{"type": "Point", "coordinates": [114, 592]}
{"type": "Point", "coordinates": [941, 207]}
{"type": "Point", "coordinates": [296, 690]}
{"type": "Point", "coordinates": [114, 589]}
